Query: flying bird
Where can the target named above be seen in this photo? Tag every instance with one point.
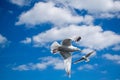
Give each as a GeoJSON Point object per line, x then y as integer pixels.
{"type": "Point", "coordinates": [84, 58]}
{"type": "Point", "coordinates": [65, 49]}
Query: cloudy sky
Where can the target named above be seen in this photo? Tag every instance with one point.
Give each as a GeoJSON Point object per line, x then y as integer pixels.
{"type": "Point", "coordinates": [28, 28]}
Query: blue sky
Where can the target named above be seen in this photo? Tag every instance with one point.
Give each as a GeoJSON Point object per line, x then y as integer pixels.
{"type": "Point", "coordinates": [28, 28]}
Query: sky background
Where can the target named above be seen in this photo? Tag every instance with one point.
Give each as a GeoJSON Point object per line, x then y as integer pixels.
{"type": "Point", "coordinates": [29, 27]}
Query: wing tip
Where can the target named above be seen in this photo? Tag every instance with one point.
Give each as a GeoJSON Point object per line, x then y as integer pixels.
{"type": "Point", "coordinates": [75, 62]}
{"type": "Point", "coordinates": [78, 39]}
{"type": "Point", "coordinates": [69, 74]}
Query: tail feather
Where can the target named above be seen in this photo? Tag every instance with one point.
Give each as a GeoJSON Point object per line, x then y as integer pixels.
{"type": "Point", "coordinates": [54, 47]}
{"type": "Point", "coordinates": [87, 60]}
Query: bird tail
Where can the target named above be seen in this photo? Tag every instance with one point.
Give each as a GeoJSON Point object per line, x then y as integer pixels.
{"type": "Point", "coordinates": [87, 60]}
{"type": "Point", "coordinates": [54, 47]}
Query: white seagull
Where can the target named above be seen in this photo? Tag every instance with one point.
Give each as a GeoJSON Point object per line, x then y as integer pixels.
{"type": "Point", "coordinates": [65, 49]}
{"type": "Point", "coordinates": [84, 58]}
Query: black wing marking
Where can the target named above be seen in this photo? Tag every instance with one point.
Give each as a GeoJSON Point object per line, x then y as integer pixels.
{"type": "Point", "coordinates": [89, 54]}
{"type": "Point", "coordinates": [81, 59]}
{"type": "Point", "coordinates": [66, 42]}
{"type": "Point", "coordinates": [78, 39]}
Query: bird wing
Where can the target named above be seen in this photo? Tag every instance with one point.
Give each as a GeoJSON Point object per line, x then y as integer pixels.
{"type": "Point", "coordinates": [89, 54]}
{"type": "Point", "coordinates": [65, 55]}
{"type": "Point", "coordinates": [66, 42]}
{"type": "Point", "coordinates": [81, 59]}
{"type": "Point", "coordinates": [67, 61]}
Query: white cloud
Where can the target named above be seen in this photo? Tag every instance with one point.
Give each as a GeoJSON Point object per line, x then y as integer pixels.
{"type": "Point", "coordinates": [106, 15]}
{"type": "Point", "coordinates": [116, 48]}
{"type": "Point", "coordinates": [26, 41]}
{"type": "Point", "coordinates": [115, 58]}
{"type": "Point", "coordinates": [87, 50]}
{"type": "Point", "coordinates": [21, 2]}
{"type": "Point", "coordinates": [55, 62]}
{"type": "Point", "coordinates": [3, 41]}
{"type": "Point", "coordinates": [48, 12]}
{"type": "Point", "coordinates": [21, 68]}
{"type": "Point", "coordinates": [39, 66]}
{"type": "Point", "coordinates": [44, 64]}
{"type": "Point", "coordinates": [87, 67]}
{"type": "Point", "coordinates": [88, 20]}
{"type": "Point", "coordinates": [92, 36]}
{"type": "Point", "coordinates": [95, 7]}
{"type": "Point", "coordinates": [59, 66]}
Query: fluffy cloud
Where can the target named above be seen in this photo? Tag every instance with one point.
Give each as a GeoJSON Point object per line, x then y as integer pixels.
{"type": "Point", "coordinates": [21, 2]}
{"type": "Point", "coordinates": [3, 41]}
{"type": "Point", "coordinates": [115, 58]}
{"type": "Point", "coordinates": [87, 67]}
{"type": "Point", "coordinates": [116, 48]}
{"type": "Point", "coordinates": [92, 36]}
{"type": "Point", "coordinates": [48, 12]}
{"type": "Point", "coordinates": [44, 64]}
{"type": "Point", "coordinates": [95, 7]}
{"type": "Point", "coordinates": [26, 41]}
{"type": "Point", "coordinates": [21, 68]}
{"type": "Point", "coordinates": [87, 50]}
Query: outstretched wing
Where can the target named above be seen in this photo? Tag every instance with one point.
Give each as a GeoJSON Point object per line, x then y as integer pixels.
{"type": "Point", "coordinates": [66, 42]}
{"type": "Point", "coordinates": [89, 54]}
{"type": "Point", "coordinates": [67, 64]}
{"type": "Point", "coordinates": [81, 59]}
{"type": "Point", "coordinates": [67, 61]}
{"type": "Point", "coordinates": [65, 55]}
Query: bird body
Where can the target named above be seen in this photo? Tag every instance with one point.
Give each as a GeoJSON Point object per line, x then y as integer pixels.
{"type": "Point", "coordinates": [65, 49]}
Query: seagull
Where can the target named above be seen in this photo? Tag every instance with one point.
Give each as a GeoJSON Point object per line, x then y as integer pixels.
{"type": "Point", "coordinates": [65, 49]}
{"type": "Point", "coordinates": [84, 58]}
